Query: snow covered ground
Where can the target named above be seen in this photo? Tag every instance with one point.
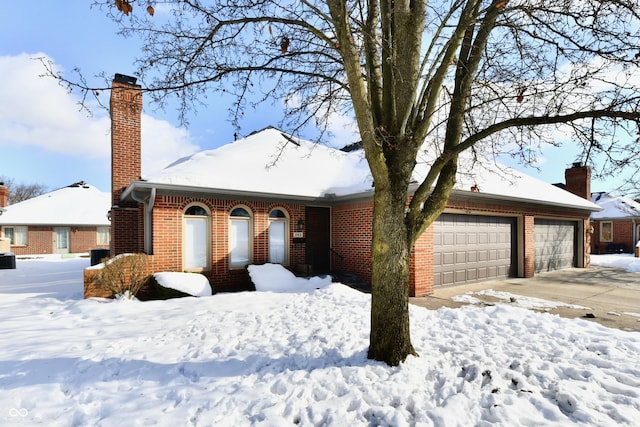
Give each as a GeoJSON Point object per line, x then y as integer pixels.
{"type": "Point", "coordinates": [296, 358]}
{"type": "Point", "coordinates": [625, 261]}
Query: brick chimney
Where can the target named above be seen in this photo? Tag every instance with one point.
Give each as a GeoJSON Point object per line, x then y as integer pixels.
{"type": "Point", "coordinates": [4, 195]}
{"type": "Point", "coordinates": [126, 111]}
{"type": "Point", "coordinates": [578, 179]}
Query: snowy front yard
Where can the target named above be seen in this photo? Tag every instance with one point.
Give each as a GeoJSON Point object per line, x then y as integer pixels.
{"type": "Point", "coordinates": [277, 359]}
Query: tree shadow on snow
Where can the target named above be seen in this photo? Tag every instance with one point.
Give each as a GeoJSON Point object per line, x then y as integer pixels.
{"type": "Point", "coordinates": [75, 372]}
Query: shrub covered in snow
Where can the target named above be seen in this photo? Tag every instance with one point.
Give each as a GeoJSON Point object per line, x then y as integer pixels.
{"type": "Point", "coordinates": [124, 275]}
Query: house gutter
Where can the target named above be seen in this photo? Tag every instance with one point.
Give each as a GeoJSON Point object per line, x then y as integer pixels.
{"type": "Point", "coordinates": [330, 198]}
{"type": "Point", "coordinates": [148, 216]}
{"type": "Point", "coordinates": [466, 195]}
{"type": "Point", "coordinates": [470, 196]}
{"type": "Point", "coordinates": [182, 189]}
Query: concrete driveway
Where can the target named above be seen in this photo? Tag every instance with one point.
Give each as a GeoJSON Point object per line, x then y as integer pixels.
{"type": "Point", "coordinates": [611, 295]}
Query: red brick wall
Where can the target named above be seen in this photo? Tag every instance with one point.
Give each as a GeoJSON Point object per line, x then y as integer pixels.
{"type": "Point", "coordinates": [4, 195]}
{"type": "Point", "coordinates": [127, 220]}
{"type": "Point", "coordinates": [168, 231]}
{"type": "Point", "coordinates": [351, 237]}
{"type": "Point", "coordinates": [421, 268]}
{"type": "Point", "coordinates": [622, 235]}
{"type": "Point", "coordinates": [529, 246]}
{"type": "Point", "coordinates": [40, 240]}
{"type": "Point", "coordinates": [578, 181]}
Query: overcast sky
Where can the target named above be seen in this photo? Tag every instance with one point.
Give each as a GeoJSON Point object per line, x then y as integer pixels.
{"type": "Point", "coordinates": [45, 137]}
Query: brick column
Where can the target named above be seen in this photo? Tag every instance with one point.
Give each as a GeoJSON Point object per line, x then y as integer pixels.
{"type": "Point", "coordinates": [578, 180]}
{"type": "Point", "coordinates": [421, 266]}
{"type": "Point", "coordinates": [529, 246]}
{"type": "Point", "coordinates": [4, 195]}
{"type": "Point", "coordinates": [126, 217]}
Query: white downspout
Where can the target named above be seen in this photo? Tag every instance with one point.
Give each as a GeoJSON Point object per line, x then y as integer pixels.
{"type": "Point", "coordinates": [148, 219]}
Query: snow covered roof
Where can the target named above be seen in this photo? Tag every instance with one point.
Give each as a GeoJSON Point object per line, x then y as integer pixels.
{"type": "Point", "coordinates": [614, 207]}
{"type": "Point", "coordinates": [271, 163]}
{"type": "Point", "coordinates": [77, 204]}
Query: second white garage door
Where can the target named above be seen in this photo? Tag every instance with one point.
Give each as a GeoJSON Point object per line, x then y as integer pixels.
{"type": "Point", "coordinates": [555, 244]}
{"type": "Point", "coordinates": [470, 248]}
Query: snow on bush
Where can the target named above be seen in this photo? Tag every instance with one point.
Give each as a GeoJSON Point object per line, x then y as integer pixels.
{"type": "Point", "coordinates": [276, 278]}
{"type": "Point", "coordinates": [190, 283]}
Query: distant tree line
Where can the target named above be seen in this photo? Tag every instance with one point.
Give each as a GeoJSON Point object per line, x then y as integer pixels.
{"type": "Point", "coordinates": [19, 192]}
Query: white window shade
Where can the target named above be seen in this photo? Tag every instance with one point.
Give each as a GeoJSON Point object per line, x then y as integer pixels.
{"type": "Point", "coordinates": [277, 242]}
{"type": "Point", "coordinates": [239, 243]}
{"type": "Point", "coordinates": [195, 243]}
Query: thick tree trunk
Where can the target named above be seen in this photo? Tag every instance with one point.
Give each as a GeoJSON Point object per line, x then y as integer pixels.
{"type": "Point", "coordinates": [390, 339]}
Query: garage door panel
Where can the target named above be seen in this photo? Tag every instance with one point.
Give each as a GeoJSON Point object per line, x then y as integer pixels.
{"type": "Point", "coordinates": [448, 258]}
{"type": "Point", "coordinates": [447, 278]}
{"type": "Point", "coordinates": [448, 239]}
{"type": "Point", "coordinates": [555, 244]}
{"type": "Point", "coordinates": [472, 248]}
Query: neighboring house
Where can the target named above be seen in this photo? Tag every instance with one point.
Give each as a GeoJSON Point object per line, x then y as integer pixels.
{"type": "Point", "coordinates": [72, 219]}
{"type": "Point", "coordinates": [271, 197]}
{"type": "Point", "coordinates": [616, 228]}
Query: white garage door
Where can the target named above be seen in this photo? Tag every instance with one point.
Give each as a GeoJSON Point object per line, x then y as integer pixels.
{"type": "Point", "coordinates": [471, 248]}
{"type": "Point", "coordinates": [555, 244]}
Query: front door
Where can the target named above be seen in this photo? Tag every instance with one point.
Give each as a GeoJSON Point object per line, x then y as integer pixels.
{"type": "Point", "coordinates": [61, 240]}
{"type": "Point", "coordinates": [318, 233]}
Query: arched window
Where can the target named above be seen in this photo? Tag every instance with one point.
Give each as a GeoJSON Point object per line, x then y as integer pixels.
{"type": "Point", "coordinates": [278, 237]}
{"type": "Point", "coordinates": [196, 239]}
{"type": "Point", "coordinates": [240, 237]}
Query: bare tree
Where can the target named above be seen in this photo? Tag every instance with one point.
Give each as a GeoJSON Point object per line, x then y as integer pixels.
{"type": "Point", "coordinates": [19, 192]}
{"type": "Point", "coordinates": [425, 81]}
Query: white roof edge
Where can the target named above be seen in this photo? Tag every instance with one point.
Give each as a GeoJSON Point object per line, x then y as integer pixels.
{"type": "Point", "coordinates": [616, 218]}
{"type": "Point", "coordinates": [329, 198]}
{"type": "Point", "coordinates": [219, 191]}
{"type": "Point", "coordinates": [586, 206]}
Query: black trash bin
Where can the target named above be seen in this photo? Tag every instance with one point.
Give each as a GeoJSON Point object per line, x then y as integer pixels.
{"type": "Point", "coordinates": [7, 261]}
{"type": "Point", "coordinates": [97, 255]}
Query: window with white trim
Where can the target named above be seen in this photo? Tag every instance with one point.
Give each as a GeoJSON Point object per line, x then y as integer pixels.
{"type": "Point", "coordinates": [17, 234]}
{"type": "Point", "coordinates": [196, 239]}
{"type": "Point", "coordinates": [606, 231]}
{"type": "Point", "coordinates": [240, 237]}
{"type": "Point", "coordinates": [104, 235]}
{"type": "Point", "coordinates": [278, 237]}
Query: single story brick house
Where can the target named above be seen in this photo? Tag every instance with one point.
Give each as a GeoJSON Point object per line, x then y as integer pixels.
{"type": "Point", "coordinates": [616, 228]}
{"type": "Point", "coordinates": [71, 219]}
{"type": "Point", "coordinates": [270, 197]}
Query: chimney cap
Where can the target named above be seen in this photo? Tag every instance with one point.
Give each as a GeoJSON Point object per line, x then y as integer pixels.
{"type": "Point", "coordinates": [121, 78]}
{"type": "Point", "coordinates": [577, 164]}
